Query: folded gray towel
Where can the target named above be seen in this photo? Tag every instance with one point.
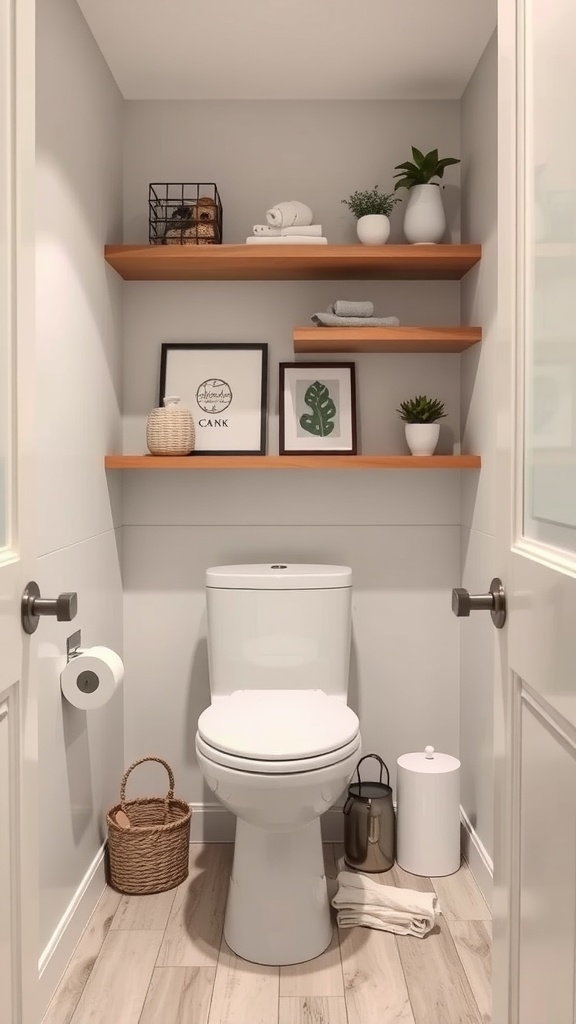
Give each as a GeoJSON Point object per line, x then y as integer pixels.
{"type": "Point", "coordinates": [330, 319]}
{"type": "Point", "coordinates": [343, 307]}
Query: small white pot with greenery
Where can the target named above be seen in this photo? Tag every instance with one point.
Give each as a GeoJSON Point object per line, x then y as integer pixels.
{"type": "Point", "coordinates": [424, 220]}
{"type": "Point", "coordinates": [372, 210]}
{"type": "Point", "coordinates": [421, 415]}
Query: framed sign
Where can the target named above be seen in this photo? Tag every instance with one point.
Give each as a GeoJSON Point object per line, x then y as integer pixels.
{"type": "Point", "coordinates": [225, 389]}
{"type": "Point", "coordinates": [317, 409]}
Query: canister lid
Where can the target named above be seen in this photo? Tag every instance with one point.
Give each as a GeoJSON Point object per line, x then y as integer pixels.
{"type": "Point", "coordinates": [428, 762]}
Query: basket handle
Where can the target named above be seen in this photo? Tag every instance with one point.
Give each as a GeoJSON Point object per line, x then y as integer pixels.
{"type": "Point", "coordinates": [169, 796]}
{"type": "Point", "coordinates": [382, 765]}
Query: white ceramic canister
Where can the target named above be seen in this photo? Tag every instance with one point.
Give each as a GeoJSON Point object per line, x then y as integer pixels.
{"type": "Point", "coordinates": [428, 813]}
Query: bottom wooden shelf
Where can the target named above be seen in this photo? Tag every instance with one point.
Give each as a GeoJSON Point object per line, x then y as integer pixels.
{"type": "Point", "coordinates": [293, 462]}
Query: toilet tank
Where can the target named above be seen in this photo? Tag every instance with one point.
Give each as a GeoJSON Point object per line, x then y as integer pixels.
{"type": "Point", "coordinates": [279, 627]}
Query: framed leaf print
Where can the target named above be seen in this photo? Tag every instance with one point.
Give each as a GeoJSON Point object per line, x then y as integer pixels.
{"type": "Point", "coordinates": [317, 409]}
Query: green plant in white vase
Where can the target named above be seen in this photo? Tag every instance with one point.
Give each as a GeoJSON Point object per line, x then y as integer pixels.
{"type": "Point", "coordinates": [372, 209]}
{"type": "Point", "coordinates": [421, 416]}
{"type": "Point", "coordinates": [424, 220]}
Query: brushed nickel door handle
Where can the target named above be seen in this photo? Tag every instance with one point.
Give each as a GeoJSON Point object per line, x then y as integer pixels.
{"type": "Point", "coordinates": [494, 602]}
{"type": "Point", "coordinates": [64, 607]}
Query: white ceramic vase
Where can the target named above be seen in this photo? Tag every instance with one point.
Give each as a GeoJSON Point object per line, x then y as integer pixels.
{"type": "Point", "coordinates": [424, 220]}
{"type": "Point", "coordinates": [422, 438]}
{"type": "Point", "coordinates": [373, 229]}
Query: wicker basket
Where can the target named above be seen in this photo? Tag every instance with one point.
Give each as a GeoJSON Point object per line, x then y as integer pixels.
{"type": "Point", "coordinates": [170, 430]}
{"type": "Point", "coordinates": [151, 855]}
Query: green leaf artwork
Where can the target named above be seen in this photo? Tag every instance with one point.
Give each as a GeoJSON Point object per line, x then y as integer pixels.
{"type": "Point", "coordinates": [320, 421]}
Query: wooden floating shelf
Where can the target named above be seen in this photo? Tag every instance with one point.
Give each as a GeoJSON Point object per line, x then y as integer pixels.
{"type": "Point", "coordinates": [291, 263]}
{"type": "Point", "coordinates": [292, 462]}
{"type": "Point", "coordinates": [385, 339]}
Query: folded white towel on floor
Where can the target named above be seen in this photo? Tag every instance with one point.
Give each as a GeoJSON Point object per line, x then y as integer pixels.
{"type": "Point", "coordinates": [346, 307]}
{"type": "Point", "coordinates": [363, 901]}
{"type": "Point", "coordinates": [285, 240]}
{"type": "Point", "coordinates": [302, 229]}
{"type": "Point", "coordinates": [289, 215]}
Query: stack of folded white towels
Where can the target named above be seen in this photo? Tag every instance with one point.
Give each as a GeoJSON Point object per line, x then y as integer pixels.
{"type": "Point", "coordinates": [288, 224]}
{"type": "Point", "coordinates": [346, 313]}
{"type": "Point", "coordinates": [363, 901]}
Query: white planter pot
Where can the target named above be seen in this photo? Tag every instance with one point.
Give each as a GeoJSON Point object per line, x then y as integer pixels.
{"type": "Point", "coordinates": [422, 438]}
{"type": "Point", "coordinates": [424, 220]}
{"type": "Point", "coordinates": [373, 229]}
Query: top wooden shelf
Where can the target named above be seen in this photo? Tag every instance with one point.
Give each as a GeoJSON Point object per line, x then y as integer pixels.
{"type": "Point", "coordinates": [291, 263]}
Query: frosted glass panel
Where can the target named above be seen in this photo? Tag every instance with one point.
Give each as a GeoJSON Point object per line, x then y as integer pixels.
{"type": "Point", "coordinates": [6, 263]}
{"type": "Point", "coordinates": [550, 275]}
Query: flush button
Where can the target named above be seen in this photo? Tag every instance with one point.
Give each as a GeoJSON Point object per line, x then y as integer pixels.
{"type": "Point", "coordinates": [278, 566]}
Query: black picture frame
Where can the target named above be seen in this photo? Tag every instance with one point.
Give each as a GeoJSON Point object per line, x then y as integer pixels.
{"type": "Point", "coordinates": [233, 376]}
{"type": "Point", "coordinates": [294, 408]}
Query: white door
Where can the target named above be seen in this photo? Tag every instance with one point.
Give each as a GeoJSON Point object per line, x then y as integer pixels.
{"type": "Point", "coordinates": [18, 732]}
{"type": "Point", "coordinates": [535, 854]}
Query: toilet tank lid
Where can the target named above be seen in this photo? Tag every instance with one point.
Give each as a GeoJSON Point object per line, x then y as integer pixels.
{"type": "Point", "coordinates": [278, 576]}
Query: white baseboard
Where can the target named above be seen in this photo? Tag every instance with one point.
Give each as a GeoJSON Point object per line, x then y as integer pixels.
{"type": "Point", "coordinates": [212, 823]}
{"type": "Point", "coordinates": [478, 858]}
{"type": "Point", "coordinates": [61, 946]}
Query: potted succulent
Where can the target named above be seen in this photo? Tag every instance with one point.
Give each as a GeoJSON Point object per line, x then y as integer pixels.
{"type": "Point", "coordinates": [424, 220]}
{"type": "Point", "coordinates": [372, 209]}
{"type": "Point", "coordinates": [421, 415]}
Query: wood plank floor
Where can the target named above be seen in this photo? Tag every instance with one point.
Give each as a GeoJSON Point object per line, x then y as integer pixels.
{"type": "Point", "coordinates": [148, 959]}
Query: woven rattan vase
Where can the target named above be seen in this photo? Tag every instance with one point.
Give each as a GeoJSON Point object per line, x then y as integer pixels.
{"type": "Point", "coordinates": [170, 430]}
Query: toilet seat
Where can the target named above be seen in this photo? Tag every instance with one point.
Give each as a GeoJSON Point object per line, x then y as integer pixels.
{"type": "Point", "coordinates": [291, 767]}
{"type": "Point", "coordinates": [278, 731]}
{"type": "Point", "coordinates": [278, 726]}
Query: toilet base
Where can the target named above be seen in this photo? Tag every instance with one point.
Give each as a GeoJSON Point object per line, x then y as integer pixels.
{"type": "Point", "coordinates": [278, 910]}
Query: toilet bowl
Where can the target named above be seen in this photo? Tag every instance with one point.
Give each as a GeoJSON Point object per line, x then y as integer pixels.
{"type": "Point", "coordinates": [278, 756]}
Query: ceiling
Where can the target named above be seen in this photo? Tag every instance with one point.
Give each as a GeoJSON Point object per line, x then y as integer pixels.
{"type": "Point", "coordinates": [291, 49]}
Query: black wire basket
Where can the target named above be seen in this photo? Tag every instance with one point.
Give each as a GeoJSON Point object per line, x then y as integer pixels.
{"type": "Point", "coordinates": [184, 213]}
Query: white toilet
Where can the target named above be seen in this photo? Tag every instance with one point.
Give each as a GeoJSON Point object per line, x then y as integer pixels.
{"type": "Point", "coordinates": [278, 745]}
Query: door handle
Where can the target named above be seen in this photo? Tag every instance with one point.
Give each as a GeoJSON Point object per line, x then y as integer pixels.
{"type": "Point", "coordinates": [64, 607]}
{"type": "Point", "coordinates": [494, 602]}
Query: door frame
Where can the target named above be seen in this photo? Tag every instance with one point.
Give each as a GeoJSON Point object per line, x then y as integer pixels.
{"type": "Point", "coordinates": [26, 703]}
{"type": "Point", "coordinates": [506, 703]}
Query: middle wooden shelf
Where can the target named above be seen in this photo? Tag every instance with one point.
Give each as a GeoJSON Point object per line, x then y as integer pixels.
{"type": "Point", "coordinates": [385, 339]}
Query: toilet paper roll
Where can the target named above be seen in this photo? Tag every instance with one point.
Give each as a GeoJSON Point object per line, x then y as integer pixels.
{"type": "Point", "coordinates": [91, 678]}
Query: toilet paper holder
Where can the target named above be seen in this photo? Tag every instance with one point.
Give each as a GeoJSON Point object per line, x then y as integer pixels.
{"type": "Point", "coordinates": [73, 648]}
{"type": "Point", "coordinates": [89, 672]}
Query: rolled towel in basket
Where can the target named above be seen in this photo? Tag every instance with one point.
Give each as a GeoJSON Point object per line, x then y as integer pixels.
{"type": "Point", "coordinates": [362, 901]}
{"type": "Point", "coordinates": [342, 307]}
{"type": "Point", "coordinates": [270, 231]}
{"type": "Point", "coordinates": [288, 215]}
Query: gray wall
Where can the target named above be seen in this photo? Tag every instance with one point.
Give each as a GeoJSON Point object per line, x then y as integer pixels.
{"type": "Point", "coordinates": [479, 369]}
{"type": "Point", "coordinates": [79, 305]}
{"type": "Point", "coordinates": [262, 152]}
{"type": "Point", "coordinates": [398, 530]}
